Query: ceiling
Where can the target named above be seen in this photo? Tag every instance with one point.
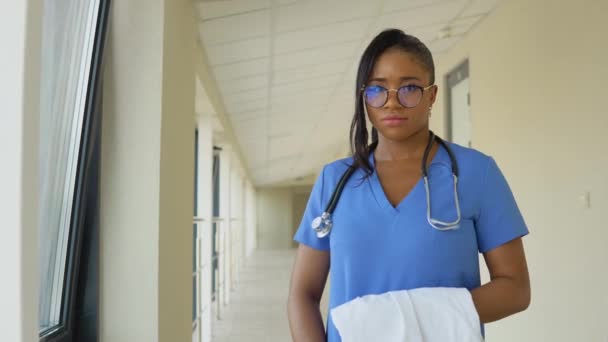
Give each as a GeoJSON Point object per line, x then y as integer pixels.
{"type": "Point", "coordinates": [285, 69]}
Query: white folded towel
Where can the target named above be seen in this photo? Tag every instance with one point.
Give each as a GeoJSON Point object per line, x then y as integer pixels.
{"type": "Point", "coordinates": [437, 314]}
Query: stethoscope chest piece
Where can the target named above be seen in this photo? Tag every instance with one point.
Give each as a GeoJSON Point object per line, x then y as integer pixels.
{"type": "Point", "coordinates": [322, 225]}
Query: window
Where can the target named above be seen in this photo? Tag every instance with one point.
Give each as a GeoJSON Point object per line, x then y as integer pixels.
{"type": "Point", "coordinates": [73, 39]}
{"type": "Point", "coordinates": [216, 223]}
{"type": "Point", "coordinates": [196, 267]}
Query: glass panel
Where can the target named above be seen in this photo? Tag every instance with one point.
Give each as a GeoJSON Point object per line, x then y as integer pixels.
{"type": "Point", "coordinates": [194, 308]}
{"type": "Point", "coordinates": [68, 37]}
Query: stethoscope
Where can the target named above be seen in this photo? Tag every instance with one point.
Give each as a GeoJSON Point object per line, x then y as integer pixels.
{"type": "Point", "coordinates": [322, 224]}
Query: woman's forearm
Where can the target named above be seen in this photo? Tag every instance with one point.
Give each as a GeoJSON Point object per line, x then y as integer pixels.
{"type": "Point", "coordinates": [500, 298]}
{"type": "Point", "coordinates": [305, 320]}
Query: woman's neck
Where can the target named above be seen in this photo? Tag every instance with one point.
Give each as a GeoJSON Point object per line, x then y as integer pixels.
{"type": "Point", "coordinates": [411, 148]}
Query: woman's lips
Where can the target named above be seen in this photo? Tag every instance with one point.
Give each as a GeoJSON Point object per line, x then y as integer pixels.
{"type": "Point", "coordinates": [394, 120]}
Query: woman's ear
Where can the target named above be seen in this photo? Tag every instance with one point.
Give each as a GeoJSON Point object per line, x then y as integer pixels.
{"type": "Point", "coordinates": [433, 92]}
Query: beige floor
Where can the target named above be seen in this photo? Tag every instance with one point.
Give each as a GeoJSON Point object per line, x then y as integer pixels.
{"type": "Point", "coordinates": [257, 309]}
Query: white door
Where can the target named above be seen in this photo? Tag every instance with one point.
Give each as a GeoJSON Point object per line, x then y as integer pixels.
{"type": "Point", "coordinates": [461, 117]}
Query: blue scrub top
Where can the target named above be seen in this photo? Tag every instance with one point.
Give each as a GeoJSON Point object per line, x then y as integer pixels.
{"type": "Point", "coordinates": [375, 247]}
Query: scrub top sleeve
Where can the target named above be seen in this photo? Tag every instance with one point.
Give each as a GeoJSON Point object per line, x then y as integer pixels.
{"type": "Point", "coordinates": [499, 219]}
{"type": "Point", "coordinates": [305, 234]}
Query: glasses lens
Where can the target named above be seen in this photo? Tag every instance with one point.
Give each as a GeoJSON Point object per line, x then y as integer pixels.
{"type": "Point", "coordinates": [375, 96]}
{"type": "Point", "coordinates": [410, 95]}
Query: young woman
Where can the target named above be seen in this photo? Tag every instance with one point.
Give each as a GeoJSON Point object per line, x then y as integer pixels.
{"type": "Point", "coordinates": [391, 230]}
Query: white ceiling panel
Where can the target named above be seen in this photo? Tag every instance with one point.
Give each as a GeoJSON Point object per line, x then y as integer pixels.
{"type": "Point", "coordinates": [251, 127]}
{"type": "Point", "coordinates": [230, 29]}
{"type": "Point", "coordinates": [308, 72]}
{"type": "Point", "coordinates": [244, 107]}
{"type": "Point", "coordinates": [238, 51]}
{"type": "Point", "coordinates": [302, 125]}
{"type": "Point", "coordinates": [391, 6]}
{"type": "Point", "coordinates": [297, 108]}
{"type": "Point", "coordinates": [309, 57]}
{"type": "Point", "coordinates": [427, 33]}
{"type": "Point", "coordinates": [316, 94]}
{"type": "Point", "coordinates": [480, 7]}
{"type": "Point", "coordinates": [214, 9]}
{"type": "Point", "coordinates": [243, 69]}
{"type": "Point", "coordinates": [240, 97]}
{"type": "Point", "coordinates": [284, 146]}
{"type": "Point", "coordinates": [302, 86]}
{"type": "Point", "coordinates": [320, 36]}
{"type": "Point", "coordinates": [287, 2]}
{"type": "Point", "coordinates": [462, 26]}
{"type": "Point", "coordinates": [307, 14]}
{"type": "Point", "coordinates": [286, 69]}
{"type": "Point", "coordinates": [245, 84]}
{"type": "Point", "coordinates": [438, 13]}
{"type": "Point", "coordinates": [251, 115]}
{"type": "Point", "coordinates": [442, 45]}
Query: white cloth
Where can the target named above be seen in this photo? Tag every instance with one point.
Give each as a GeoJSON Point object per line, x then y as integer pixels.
{"type": "Point", "coordinates": [419, 315]}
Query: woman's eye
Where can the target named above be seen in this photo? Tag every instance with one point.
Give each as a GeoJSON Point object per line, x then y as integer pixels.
{"type": "Point", "coordinates": [410, 87]}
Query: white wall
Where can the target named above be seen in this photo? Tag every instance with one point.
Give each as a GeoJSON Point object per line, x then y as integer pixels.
{"type": "Point", "coordinates": [20, 34]}
{"type": "Point", "coordinates": [274, 213]}
{"type": "Point", "coordinates": [147, 173]}
{"type": "Point", "coordinates": [251, 234]}
{"type": "Point", "coordinates": [538, 72]}
{"type": "Point", "coordinates": [279, 212]}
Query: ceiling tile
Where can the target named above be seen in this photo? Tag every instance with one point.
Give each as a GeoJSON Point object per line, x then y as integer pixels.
{"type": "Point", "coordinates": [320, 36]}
{"type": "Point", "coordinates": [241, 69]}
{"type": "Point", "coordinates": [443, 45]}
{"type": "Point", "coordinates": [252, 127]}
{"type": "Point", "coordinates": [479, 7]}
{"type": "Point", "coordinates": [308, 14]}
{"type": "Point", "coordinates": [308, 72]}
{"type": "Point", "coordinates": [239, 51]}
{"type": "Point", "coordinates": [305, 85]}
{"type": "Point", "coordinates": [214, 9]}
{"type": "Point", "coordinates": [462, 26]}
{"type": "Point", "coordinates": [286, 2]}
{"type": "Point", "coordinates": [391, 6]}
{"type": "Point", "coordinates": [250, 115]}
{"type": "Point", "coordinates": [229, 29]}
{"type": "Point", "coordinates": [297, 107]}
{"type": "Point", "coordinates": [284, 146]}
{"type": "Point", "coordinates": [233, 87]}
{"type": "Point", "coordinates": [236, 98]}
{"type": "Point", "coordinates": [239, 108]}
{"type": "Point", "coordinates": [288, 125]}
{"type": "Point", "coordinates": [315, 56]}
{"type": "Point", "coordinates": [435, 14]}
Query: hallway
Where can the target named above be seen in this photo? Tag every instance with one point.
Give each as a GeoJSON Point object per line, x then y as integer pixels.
{"type": "Point", "coordinates": [257, 310]}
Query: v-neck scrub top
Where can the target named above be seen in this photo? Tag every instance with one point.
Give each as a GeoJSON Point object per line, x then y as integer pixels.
{"type": "Point", "coordinates": [375, 247]}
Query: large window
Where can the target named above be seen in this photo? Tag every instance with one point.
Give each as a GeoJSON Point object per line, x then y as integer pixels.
{"type": "Point", "coordinates": [73, 37]}
{"type": "Point", "coordinates": [215, 226]}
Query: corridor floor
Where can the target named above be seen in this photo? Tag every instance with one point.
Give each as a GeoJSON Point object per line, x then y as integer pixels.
{"type": "Point", "coordinates": [257, 311]}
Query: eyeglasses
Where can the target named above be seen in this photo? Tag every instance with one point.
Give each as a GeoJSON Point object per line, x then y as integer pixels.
{"type": "Point", "coordinates": [409, 96]}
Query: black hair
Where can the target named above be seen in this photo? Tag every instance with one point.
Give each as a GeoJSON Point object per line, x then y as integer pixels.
{"type": "Point", "coordinates": [387, 39]}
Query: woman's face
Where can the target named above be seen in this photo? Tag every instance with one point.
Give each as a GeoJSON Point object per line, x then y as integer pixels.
{"type": "Point", "coordinates": [394, 69]}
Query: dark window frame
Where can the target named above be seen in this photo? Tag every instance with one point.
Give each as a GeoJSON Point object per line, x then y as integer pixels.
{"type": "Point", "coordinates": [79, 305]}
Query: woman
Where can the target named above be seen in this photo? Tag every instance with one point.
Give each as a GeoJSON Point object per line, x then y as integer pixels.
{"type": "Point", "coordinates": [382, 238]}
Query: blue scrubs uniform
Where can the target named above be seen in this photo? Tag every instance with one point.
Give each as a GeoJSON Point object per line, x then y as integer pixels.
{"type": "Point", "coordinates": [375, 247]}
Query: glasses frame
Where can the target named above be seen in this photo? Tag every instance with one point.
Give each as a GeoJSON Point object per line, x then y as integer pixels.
{"type": "Point", "coordinates": [422, 89]}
